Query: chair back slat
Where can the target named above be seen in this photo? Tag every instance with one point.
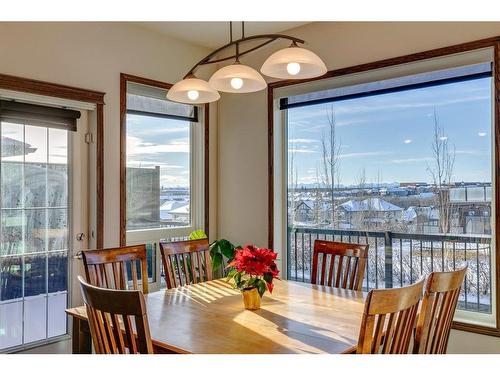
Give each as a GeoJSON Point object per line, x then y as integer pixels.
{"type": "Point", "coordinates": [388, 320]}
{"type": "Point", "coordinates": [113, 313]}
{"type": "Point", "coordinates": [345, 263]}
{"type": "Point", "coordinates": [436, 313]}
{"type": "Point", "coordinates": [186, 262]}
{"type": "Point", "coordinates": [107, 268]}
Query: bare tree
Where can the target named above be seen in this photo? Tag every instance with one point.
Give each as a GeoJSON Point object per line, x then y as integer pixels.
{"type": "Point", "coordinates": [441, 171]}
{"type": "Point", "coordinates": [330, 173]}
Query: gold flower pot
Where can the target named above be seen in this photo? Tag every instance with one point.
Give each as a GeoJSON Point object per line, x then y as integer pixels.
{"type": "Point", "coordinates": [251, 299]}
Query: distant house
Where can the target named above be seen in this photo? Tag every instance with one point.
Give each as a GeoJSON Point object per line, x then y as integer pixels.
{"type": "Point", "coordinates": [304, 211]}
{"type": "Point", "coordinates": [371, 212]}
{"type": "Point", "coordinates": [181, 214]}
{"type": "Point", "coordinates": [422, 219]}
{"type": "Point", "coordinates": [167, 207]}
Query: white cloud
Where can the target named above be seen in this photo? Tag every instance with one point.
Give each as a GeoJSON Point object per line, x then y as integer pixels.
{"type": "Point", "coordinates": [302, 151]}
{"type": "Point", "coordinates": [302, 141]}
{"type": "Point", "coordinates": [136, 146]}
{"type": "Point", "coordinates": [411, 160]}
{"type": "Point", "coordinates": [471, 152]}
{"type": "Point", "coordinates": [363, 154]}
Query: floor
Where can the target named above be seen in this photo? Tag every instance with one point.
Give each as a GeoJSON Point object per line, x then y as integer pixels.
{"type": "Point", "coordinates": [460, 343]}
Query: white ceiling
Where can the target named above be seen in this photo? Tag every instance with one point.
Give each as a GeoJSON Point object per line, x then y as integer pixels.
{"type": "Point", "coordinates": [216, 34]}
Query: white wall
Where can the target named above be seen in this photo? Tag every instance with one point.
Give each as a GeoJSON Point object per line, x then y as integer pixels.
{"type": "Point", "coordinates": [92, 56]}
{"type": "Point", "coordinates": [243, 162]}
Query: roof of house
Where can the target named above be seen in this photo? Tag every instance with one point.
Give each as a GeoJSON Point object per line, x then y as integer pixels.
{"type": "Point", "coordinates": [370, 204]}
{"type": "Point", "coordinates": [182, 210]}
{"type": "Point", "coordinates": [13, 147]}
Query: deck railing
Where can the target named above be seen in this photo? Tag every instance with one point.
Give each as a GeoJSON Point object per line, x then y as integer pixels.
{"type": "Point", "coordinates": [398, 259]}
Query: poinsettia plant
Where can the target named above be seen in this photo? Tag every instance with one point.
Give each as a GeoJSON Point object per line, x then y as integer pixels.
{"type": "Point", "coordinates": [253, 267]}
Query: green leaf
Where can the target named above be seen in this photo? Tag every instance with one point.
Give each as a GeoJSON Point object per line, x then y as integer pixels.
{"type": "Point", "coordinates": [216, 261]}
{"type": "Point", "coordinates": [226, 248]}
{"type": "Point", "coordinates": [261, 287]}
{"type": "Point", "coordinates": [197, 235]}
{"type": "Point", "coordinates": [231, 274]}
{"type": "Point", "coordinates": [268, 277]}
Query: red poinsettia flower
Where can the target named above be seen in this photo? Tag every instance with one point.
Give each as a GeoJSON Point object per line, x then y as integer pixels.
{"type": "Point", "coordinates": [257, 262]}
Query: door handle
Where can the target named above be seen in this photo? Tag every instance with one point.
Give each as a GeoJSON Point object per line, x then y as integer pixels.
{"type": "Point", "coordinates": [80, 236]}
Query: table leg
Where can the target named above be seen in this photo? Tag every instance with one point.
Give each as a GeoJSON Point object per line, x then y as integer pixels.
{"type": "Point", "coordinates": [81, 340]}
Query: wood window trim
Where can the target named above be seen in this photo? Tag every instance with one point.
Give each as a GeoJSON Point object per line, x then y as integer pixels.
{"type": "Point", "coordinates": [494, 43]}
{"type": "Point", "coordinates": [124, 78]}
{"type": "Point", "coordinates": [32, 86]}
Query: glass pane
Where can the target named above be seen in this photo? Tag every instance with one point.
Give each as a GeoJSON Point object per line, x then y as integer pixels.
{"type": "Point", "coordinates": [35, 168]}
{"type": "Point", "coordinates": [57, 185]}
{"type": "Point", "coordinates": [57, 315]}
{"type": "Point", "coordinates": [12, 189]}
{"type": "Point", "coordinates": [12, 150]}
{"type": "Point", "coordinates": [35, 318]}
{"type": "Point", "coordinates": [12, 232]}
{"type": "Point", "coordinates": [35, 184]}
{"type": "Point", "coordinates": [13, 146]}
{"type": "Point", "coordinates": [35, 138]}
{"type": "Point", "coordinates": [58, 146]}
{"type": "Point", "coordinates": [57, 170]}
{"type": "Point", "coordinates": [35, 231]}
{"type": "Point", "coordinates": [158, 172]}
{"type": "Point", "coordinates": [35, 272]}
{"type": "Point", "coordinates": [58, 229]}
{"type": "Point", "coordinates": [58, 271]}
{"type": "Point", "coordinates": [11, 324]}
{"type": "Point", "coordinates": [11, 278]}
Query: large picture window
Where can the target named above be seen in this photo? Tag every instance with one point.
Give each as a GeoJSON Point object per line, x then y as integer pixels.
{"type": "Point", "coordinates": [403, 164]}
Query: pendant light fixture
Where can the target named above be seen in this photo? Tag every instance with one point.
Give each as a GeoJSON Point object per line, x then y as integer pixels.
{"type": "Point", "coordinates": [293, 62]}
{"type": "Point", "coordinates": [237, 78]}
{"type": "Point", "coordinates": [192, 90]}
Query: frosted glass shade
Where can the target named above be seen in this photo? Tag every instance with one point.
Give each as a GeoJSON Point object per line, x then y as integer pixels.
{"type": "Point", "coordinates": [237, 78]}
{"type": "Point", "coordinates": [293, 63]}
{"type": "Point", "coordinates": [192, 90]}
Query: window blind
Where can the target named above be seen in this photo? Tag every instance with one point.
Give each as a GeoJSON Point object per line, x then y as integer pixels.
{"type": "Point", "coordinates": [411, 82]}
{"type": "Point", "coordinates": [152, 101]}
{"type": "Point", "coordinates": [38, 115]}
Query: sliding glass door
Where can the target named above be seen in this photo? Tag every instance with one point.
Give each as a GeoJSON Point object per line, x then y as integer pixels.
{"type": "Point", "coordinates": [34, 232]}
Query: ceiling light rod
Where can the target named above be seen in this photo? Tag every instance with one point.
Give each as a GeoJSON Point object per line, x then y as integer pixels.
{"type": "Point", "coordinates": [271, 38]}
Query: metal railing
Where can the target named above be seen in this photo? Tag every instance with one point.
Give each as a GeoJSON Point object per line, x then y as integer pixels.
{"type": "Point", "coordinates": [398, 259]}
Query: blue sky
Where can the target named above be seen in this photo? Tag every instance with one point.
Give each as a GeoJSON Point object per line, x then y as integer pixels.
{"type": "Point", "coordinates": [392, 133]}
{"type": "Point", "coordinates": [160, 142]}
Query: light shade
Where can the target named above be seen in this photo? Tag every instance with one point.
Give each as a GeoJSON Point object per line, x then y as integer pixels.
{"type": "Point", "coordinates": [192, 90]}
{"type": "Point", "coordinates": [293, 63]}
{"type": "Point", "coordinates": [237, 78]}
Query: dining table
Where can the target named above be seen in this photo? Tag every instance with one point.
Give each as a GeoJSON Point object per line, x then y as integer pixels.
{"type": "Point", "coordinates": [210, 318]}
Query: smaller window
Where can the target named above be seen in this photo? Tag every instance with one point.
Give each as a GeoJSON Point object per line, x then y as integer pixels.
{"type": "Point", "coordinates": [158, 159]}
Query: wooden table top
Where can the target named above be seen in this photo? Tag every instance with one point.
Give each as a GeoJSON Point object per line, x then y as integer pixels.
{"type": "Point", "coordinates": [210, 318]}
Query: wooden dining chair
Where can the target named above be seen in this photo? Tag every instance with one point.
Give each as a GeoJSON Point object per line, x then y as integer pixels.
{"type": "Point", "coordinates": [109, 268]}
{"type": "Point", "coordinates": [436, 311]}
{"type": "Point", "coordinates": [112, 315]}
{"type": "Point", "coordinates": [186, 262]}
{"type": "Point", "coordinates": [389, 319]}
{"type": "Point", "coordinates": [345, 263]}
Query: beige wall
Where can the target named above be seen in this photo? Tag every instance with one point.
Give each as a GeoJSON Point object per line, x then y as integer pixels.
{"type": "Point", "coordinates": [243, 162]}
{"type": "Point", "coordinates": [92, 56]}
